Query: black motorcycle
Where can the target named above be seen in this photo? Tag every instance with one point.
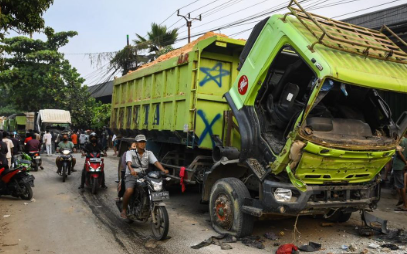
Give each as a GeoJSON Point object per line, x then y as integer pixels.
{"type": "Point", "coordinates": [35, 159]}
{"type": "Point", "coordinates": [66, 161]}
{"type": "Point", "coordinates": [17, 183]}
{"type": "Point", "coordinates": [147, 201]}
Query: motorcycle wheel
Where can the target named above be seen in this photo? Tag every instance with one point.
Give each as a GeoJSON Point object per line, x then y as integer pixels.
{"type": "Point", "coordinates": [35, 167]}
{"type": "Point", "coordinates": [95, 185]}
{"type": "Point", "coordinates": [162, 225]}
{"type": "Point", "coordinates": [63, 173]}
{"type": "Point", "coordinates": [27, 191]}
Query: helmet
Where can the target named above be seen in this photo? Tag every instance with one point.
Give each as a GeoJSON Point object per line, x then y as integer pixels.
{"type": "Point", "coordinates": [93, 135]}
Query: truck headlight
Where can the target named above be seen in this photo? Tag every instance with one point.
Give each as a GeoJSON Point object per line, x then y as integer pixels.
{"type": "Point", "coordinates": [158, 186]}
{"type": "Point", "coordinates": [283, 195]}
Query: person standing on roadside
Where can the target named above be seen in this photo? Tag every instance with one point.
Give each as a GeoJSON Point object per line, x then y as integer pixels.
{"type": "Point", "coordinates": [74, 139]}
{"type": "Point", "coordinates": [16, 143]}
{"type": "Point", "coordinates": [3, 153]}
{"type": "Point", "coordinates": [47, 140]}
{"type": "Point", "coordinates": [10, 147]}
{"type": "Point", "coordinates": [399, 168]}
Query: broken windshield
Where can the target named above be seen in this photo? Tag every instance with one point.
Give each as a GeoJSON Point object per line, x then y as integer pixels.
{"type": "Point", "coordinates": [346, 114]}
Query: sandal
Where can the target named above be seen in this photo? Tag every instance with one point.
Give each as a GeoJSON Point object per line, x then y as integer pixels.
{"type": "Point", "coordinates": [400, 209]}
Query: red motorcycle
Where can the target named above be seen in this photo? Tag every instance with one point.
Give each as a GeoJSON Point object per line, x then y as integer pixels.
{"type": "Point", "coordinates": [94, 170]}
{"type": "Point", "coordinates": [17, 183]}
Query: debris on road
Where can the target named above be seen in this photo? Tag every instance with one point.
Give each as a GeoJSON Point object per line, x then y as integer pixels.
{"type": "Point", "coordinates": [271, 236]}
{"type": "Point", "coordinates": [252, 241]}
{"type": "Point", "coordinates": [288, 248]}
{"type": "Point", "coordinates": [311, 247]}
{"type": "Point", "coordinates": [374, 246]}
{"type": "Point", "coordinates": [390, 246]}
{"type": "Point", "coordinates": [220, 240]}
{"type": "Point", "coordinates": [374, 222]}
{"type": "Point", "coordinates": [344, 247]}
{"type": "Point", "coordinates": [6, 216]}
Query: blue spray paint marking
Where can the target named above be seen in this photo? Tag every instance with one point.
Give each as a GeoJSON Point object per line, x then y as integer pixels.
{"type": "Point", "coordinates": [216, 78]}
{"type": "Point", "coordinates": [146, 108]}
{"type": "Point", "coordinates": [157, 115]}
{"type": "Point", "coordinates": [208, 127]}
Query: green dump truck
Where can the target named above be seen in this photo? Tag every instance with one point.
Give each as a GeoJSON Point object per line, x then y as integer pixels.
{"type": "Point", "coordinates": [290, 122]}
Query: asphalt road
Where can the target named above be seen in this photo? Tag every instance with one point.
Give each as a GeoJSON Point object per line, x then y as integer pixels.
{"type": "Point", "coordinates": [61, 219]}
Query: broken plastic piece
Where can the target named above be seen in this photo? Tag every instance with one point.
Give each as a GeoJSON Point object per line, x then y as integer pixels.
{"type": "Point", "coordinates": [343, 89]}
{"type": "Point", "coordinates": [300, 185]}
{"type": "Point", "coordinates": [371, 220]}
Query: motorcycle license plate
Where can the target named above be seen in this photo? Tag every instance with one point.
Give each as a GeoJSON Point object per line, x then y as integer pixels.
{"type": "Point", "coordinates": [158, 196]}
{"type": "Point", "coordinates": [37, 157]}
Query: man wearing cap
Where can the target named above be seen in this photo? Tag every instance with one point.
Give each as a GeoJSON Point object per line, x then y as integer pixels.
{"type": "Point", "coordinates": [137, 161]}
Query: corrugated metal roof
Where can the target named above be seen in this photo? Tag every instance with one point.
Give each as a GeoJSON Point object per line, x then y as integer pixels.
{"type": "Point", "coordinates": [377, 19]}
{"type": "Point", "coordinates": [100, 90]}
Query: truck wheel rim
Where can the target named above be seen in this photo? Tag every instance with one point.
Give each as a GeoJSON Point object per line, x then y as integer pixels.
{"type": "Point", "coordinates": [223, 211]}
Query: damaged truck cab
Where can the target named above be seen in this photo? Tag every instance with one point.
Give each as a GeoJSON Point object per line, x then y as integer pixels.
{"type": "Point", "coordinates": [314, 129]}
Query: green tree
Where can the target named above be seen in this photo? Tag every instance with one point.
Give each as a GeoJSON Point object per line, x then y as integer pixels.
{"type": "Point", "coordinates": [128, 59]}
{"type": "Point", "coordinates": [101, 115]}
{"type": "Point", "coordinates": [159, 40]}
{"type": "Point", "coordinates": [36, 75]}
{"type": "Point", "coordinates": [131, 57]}
{"type": "Point", "coordinates": [22, 15]}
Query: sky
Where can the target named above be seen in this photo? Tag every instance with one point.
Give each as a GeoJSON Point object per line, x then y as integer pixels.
{"type": "Point", "coordinates": [102, 25]}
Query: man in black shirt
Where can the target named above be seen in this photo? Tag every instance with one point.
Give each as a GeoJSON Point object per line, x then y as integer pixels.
{"type": "Point", "coordinates": [92, 147]}
{"type": "Point", "coordinates": [16, 143]}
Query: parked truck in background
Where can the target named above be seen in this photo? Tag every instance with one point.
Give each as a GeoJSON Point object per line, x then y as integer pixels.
{"type": "Point", "coordinates": [290, 122]}
{"type": "Point", "coordinates": [53, 120]}
{"type": "Point", "coordinates": [20, 123]}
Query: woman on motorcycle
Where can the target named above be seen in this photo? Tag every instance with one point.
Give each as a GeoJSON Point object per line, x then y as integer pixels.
{"type": "Point", "coordinates": [92, 147]}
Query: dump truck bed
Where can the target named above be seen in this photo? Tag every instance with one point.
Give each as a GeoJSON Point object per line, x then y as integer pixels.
{"type": "Point", "coordinates": [179, 100]}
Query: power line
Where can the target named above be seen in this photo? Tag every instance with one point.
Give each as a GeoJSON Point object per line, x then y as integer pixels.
{"type": "Point", "coordinates": [178, 9]}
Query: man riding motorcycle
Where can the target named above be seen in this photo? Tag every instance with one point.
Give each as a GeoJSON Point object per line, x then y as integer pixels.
{"type": "Point", "coordinates": [34, 145]}
{"type": "Point", "coordinates": [137, 161]}
{"type": "Point", "coordinates": [65, 144]}
{"type": "Point", "coordinates": [92, 147]}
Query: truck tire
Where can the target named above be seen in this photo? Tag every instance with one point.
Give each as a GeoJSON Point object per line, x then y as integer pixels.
{"type": "Point", "coordinates": [225, 208]}
{"type": "Point", "coordinates": [338, 216]}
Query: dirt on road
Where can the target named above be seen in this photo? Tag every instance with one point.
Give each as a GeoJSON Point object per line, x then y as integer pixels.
{"type": "Point", "coordinates": [61, 219]}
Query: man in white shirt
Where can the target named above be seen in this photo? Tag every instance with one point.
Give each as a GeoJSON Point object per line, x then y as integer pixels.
{"type": "Point", "coordinates": [47, 140]}
{"type": "Point", "coordinates": [10, 147]}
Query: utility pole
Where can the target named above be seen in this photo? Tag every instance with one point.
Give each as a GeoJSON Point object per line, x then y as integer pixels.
{"type": "Point", "coordinates": [189, 20]}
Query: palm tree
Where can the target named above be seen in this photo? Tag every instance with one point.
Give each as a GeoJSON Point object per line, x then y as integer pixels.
{"type": "Point", "coordinates": [159, 40]}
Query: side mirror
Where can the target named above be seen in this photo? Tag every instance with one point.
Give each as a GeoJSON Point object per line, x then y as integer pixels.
{"type": "Point", "coordinates": [402, 124]}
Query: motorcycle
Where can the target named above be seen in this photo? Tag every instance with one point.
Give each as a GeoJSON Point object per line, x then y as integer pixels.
{"type": "Point", "coordinates": [17, 183]}
{"type": "Point", "coordinates": [66, 160]}
{"type": "Point", "coordinates": [22, 161]}
{"type": "Point", "coordinates": [147, 201]}
{"type": "Point", "coordinates": [35, 159]}
{"type": "Point", "coordinates": [94, 170]}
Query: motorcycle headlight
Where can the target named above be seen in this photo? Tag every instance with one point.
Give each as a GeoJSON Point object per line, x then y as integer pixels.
{"type": "Point", "coordinates": [158, 186]}
{"type": "Point", "coordinates": [98, 169]}
{"type": "Point", "coordinates": [65, 152]}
